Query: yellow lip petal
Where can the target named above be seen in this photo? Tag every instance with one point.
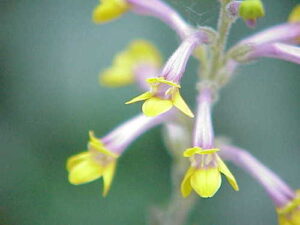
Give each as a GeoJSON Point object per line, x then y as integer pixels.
{"type": "Point", "coordinates": [85, 172]}
{"type": "Point", "coordinates": [186, 187]}
{"type": "Point", "coordinates": [206, 182]}
{"type": "Point", "coordinates": [181, 105]}
{"type": "Point", "coordinates": [156, 106]}
{"type": "Point", "coordinates": [229, 176]}
{"type": "Point", "coordinates": [139, 98]}
{"type": "Point", "coordinates": [76, 159]}
{"type": "Point", "coordinates": [108, 176]}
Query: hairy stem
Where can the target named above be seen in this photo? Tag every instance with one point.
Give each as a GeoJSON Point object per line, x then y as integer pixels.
{"type": "Point", "coordinates": [178, 208]}
{"type": "Point", "coordinates": [224, 25]}
{"type": "Point", "coordinates": [177, 136]}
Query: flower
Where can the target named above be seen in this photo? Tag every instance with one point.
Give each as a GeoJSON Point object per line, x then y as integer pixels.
{"type": "Point", "coordinates": [276, 42]}
{"type": "Point", "coordinates": [276, 50]}
{"type": "Point", "coordinates": [204, 175]}
{"type": "Point", "coordinates": [101, 157]}
{"type": "Point", "coordinates": [251, 10]}
{"type": "Point", "coordinates": [290, 213]}
{"type": "Point", "coordinates": [138, 60]}
{"type": "Point", "coordinates": [161, 98]}
{"type": "Point", "coordinates": [108, 10]}
{"type": "Point", "coordinates": [286, 201]}
{"type": "Point", "coordinates": [97, 162]}
{"type": "Point", "coordinates": [164, 89]}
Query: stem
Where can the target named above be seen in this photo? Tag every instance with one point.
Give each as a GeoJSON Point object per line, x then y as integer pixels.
{"type": "Point", "coordinates": [224, 25]}
{"type": "Point", "coordinates": [178, 208]}
{"type": "Point", "coordinates": [177, 138]}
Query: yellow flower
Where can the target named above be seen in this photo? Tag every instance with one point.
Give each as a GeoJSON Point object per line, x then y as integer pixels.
{"type": "Point", "coordinates": [251, 9]}
{"type": "Point", "coordinates": [294, 16]}
{"type": "Point", "coordinates": [109, 9]}
{"type": "Point", "coordinates": [139, 52]}
{"type": "Point", "coordinates": [90, 165]}
{"type": "Point", "coordinates": [204, 175]}
{"type": "Point", "coordinates": [157, 103]}
{"type": "Point", "coordinates": [290, 213]}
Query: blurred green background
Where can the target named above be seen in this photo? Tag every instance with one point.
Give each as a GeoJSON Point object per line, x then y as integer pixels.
{"type": "Point", "coordinates": [50, 56]}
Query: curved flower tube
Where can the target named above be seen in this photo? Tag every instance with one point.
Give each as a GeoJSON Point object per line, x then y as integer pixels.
{"type": "Point", "coordinates": [287, 201]}
{"type": "Point", "coordinates": [101, 157]}
{"type": "Point", "coordinates": [204, 174]}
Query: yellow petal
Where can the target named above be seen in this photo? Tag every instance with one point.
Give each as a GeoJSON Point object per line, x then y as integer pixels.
{"type": "Point", "coordinates": [229, 176]}
{"type": "Point", "coordinates": [197, 150]}
{"type": "Point", "coordinates": [181, 105]}
{"type": "Point", "coordinates": [94, 139]}
{"type": "Point", "coordinates": [296, 217]}
{"type": "Point", "coordinates": [282, 220]}
{"type": "Point", "coordinates": [295, 15]}
{"type": "Point", "coordinates": [162, 80]}
{"type": "Point", "coordinates": [85, 172]}
{"type": "Point", "coordinates": [108, 10]}
{"type": "Point", "coordinates": [108, 176]}
{"type": "Point", "coordinates": [141, 97]}
{"type": "Point", "coordinates": [76, 159]}
{"type": "Point", "coordinates": [206, 182]}
{"type": "Point", "coordinates": [186, 187]}
{"type": "Point", "coordinates": [142, 50]}
{"type": "Point", "coordinates": [156, 106]}
{"type": "Point", "coordinates": [97, 144]}
{"type": "Point", "coordinates": [116, 76]}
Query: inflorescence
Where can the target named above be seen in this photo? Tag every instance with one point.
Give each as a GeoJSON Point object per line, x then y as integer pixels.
{"type": "Point", "coordinates": [141, 63]}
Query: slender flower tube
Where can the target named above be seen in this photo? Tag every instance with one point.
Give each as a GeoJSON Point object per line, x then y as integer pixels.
{"type": "Point", "coordinates": [164, 89]}
{"type": "Point", "coordinates": [276, 50]}
{"type": "Point", "coordinates": [286, 33]}
{"type": "Point", "coordinates": [204, 174]}
{"type": "Point", "coordinates": [274, 42]}
{"type": "Point", "coordinates": [101, 157]}
{"type": "Point", "coordinates": [139, 61]}
{"type": "Point", "coordinates": [286, 200]}
{"type": "Point", "coordinates": [112, 9]}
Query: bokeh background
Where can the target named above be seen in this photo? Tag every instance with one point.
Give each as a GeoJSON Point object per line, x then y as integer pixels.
{"type": "Point", "coordinates": [50, 57]}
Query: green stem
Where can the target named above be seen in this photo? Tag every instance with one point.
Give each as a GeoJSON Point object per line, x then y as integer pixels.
{"type": "Point", "coordinates": [177, 136]}
{"type": "Point", "coordinates": [178, 208]}
{"type": "Point", "coordinates": [224, 25]}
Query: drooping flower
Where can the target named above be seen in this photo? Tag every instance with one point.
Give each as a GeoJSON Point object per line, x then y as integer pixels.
{"type": "Point", "coordinates": [108, 10]}
{"type": "Point", "coordinates": [204, 174]}
{"type": "Point", "coordinates": [98, 161]}
{"type": "Point", "coordinates": [290, 213]}
{"type": "Point", "coordinates": [164, 89]}
{"type": "Point", "coordinates": [286, 201]}
{"type": "Point", "coordinates": [101, 157]}
{"type": "Point", "coordinates": [276, 42]}
{"type": "Point", "coordinates": [138, 61]}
